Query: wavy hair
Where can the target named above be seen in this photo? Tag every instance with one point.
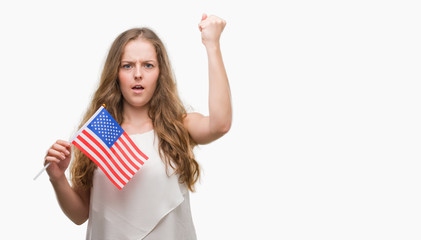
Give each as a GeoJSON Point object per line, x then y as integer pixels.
{"type": "Point", "coordinates": [165, 109]}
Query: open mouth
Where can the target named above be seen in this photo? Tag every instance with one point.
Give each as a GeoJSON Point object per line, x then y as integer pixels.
{"type": "Point", "coordinates": [138, 87]}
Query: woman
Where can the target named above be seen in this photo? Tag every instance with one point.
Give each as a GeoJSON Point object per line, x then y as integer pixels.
{"type": "Point", "coordinates": [138, 88]}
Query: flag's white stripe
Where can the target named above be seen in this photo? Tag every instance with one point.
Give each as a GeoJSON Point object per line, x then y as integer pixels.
{"type": "Point", "coordinates": [134, 160]}
{"type": "Point", "coordinates": [109, 152]}
{"type": "Point", "coordinates": [86, 148]}
{"type": "Point", "coordinates": [93, 145]}
{"type": "Point", "coordinates": [132, 148]}
{"type": "Point", "coordinates": [123, 158]}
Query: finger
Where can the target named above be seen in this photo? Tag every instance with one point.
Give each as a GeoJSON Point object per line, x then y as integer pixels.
{"type": "Point", "coordinates": [201, 26]}
{"type": "Point", "coordinates": [61, 148]}
{"type": "Point", "coordinates": [214, 18]}
{"type": "Point", "coordinates": [64, 143]}
{"type": "Point", "coordinates": [50, 159]}
{"type": "Point", "coordinates": [223, 22]}
{"type": "Point", "coordinates": [57, 154]}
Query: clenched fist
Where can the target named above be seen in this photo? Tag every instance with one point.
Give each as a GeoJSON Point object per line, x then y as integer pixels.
{"type": "Point", "coordinates": [211, 28]}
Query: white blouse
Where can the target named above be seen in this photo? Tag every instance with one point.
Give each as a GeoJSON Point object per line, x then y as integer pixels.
{"type": "Point", "coordinates": [151, 206]}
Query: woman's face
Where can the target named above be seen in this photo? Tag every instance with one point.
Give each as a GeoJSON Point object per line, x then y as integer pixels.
{"type": "Point", "coordinates": [138, 72]}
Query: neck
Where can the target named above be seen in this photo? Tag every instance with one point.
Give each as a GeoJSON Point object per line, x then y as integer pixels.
{"type": "Point", "coordinates": [136, 120]}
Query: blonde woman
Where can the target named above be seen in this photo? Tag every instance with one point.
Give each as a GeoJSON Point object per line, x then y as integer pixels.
{"type": "Point", "coordinates": [138, 88]}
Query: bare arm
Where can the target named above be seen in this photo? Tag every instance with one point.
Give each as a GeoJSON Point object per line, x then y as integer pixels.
{"type": "Point", "coordinates": [205, 129]}
{"type": "Point", "coordinates": [73, 202]}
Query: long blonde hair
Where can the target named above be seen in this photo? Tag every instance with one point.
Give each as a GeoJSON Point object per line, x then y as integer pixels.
{"type": "Point", "coordinates": [165, 109]}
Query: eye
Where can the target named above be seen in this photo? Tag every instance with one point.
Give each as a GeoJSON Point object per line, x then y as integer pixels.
{"type": "Point", "coordinates": [148, 65]}
{"type": "Point", "coordinates": [126, 66]}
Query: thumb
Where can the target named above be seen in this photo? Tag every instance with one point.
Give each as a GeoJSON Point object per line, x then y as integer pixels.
{"type": "Point", "coordinates": [204, 16]}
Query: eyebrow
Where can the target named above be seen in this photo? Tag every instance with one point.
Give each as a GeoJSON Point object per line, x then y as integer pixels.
{"type": "Point", "coordinates": [130, 61]}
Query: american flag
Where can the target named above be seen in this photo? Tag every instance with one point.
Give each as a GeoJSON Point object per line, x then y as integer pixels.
{"type": "Point", "coordinates": [110, 147]}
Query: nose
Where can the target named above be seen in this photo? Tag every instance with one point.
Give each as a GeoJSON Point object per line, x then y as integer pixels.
{"type": "Point", "coordinates": [138, 72]}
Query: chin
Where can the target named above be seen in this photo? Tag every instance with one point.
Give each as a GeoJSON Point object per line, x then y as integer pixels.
{"type": "Point", "coordinates": [136, 104]}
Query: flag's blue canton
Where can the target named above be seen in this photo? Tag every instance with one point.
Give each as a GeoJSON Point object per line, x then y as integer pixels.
{"type": "Point", "coordinates": [106, 128]}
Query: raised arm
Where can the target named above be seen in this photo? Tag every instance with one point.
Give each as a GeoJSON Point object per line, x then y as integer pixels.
{"type": "Point", "coordinates": [73, 202]}
{"type": "Point", "coordinates": [205, 129]}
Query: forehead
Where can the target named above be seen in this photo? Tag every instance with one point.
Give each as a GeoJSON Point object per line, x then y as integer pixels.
{"type": "Point", "coordinates": [139, 49]}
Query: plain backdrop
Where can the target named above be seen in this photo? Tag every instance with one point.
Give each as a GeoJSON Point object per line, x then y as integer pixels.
{"type": "Point", "coordinates": [325, 140]}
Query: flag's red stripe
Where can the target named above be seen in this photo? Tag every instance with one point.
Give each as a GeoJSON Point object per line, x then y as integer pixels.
{"type": "Point", "coordinates": [121, 161]}
{"type": "Point", "coordinates": [101, 158]}
{"type": "Point", "coordinates": [130, 151]}
{"type": "Point", "coordinates": [106, 153]}
{"type": "Point", "coordinates": [135, 147]}
{"type": "Point", "coordinates": [117, 145]}
{"type": "Point", "coordinates": [97, 163]}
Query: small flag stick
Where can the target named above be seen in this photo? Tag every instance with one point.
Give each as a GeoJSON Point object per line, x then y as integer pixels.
{"type": "Point", "coordinates": [42, 170]}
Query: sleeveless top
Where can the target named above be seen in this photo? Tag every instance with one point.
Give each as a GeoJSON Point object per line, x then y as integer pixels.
{"type": "Point", "coordinates": [152, 205]}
